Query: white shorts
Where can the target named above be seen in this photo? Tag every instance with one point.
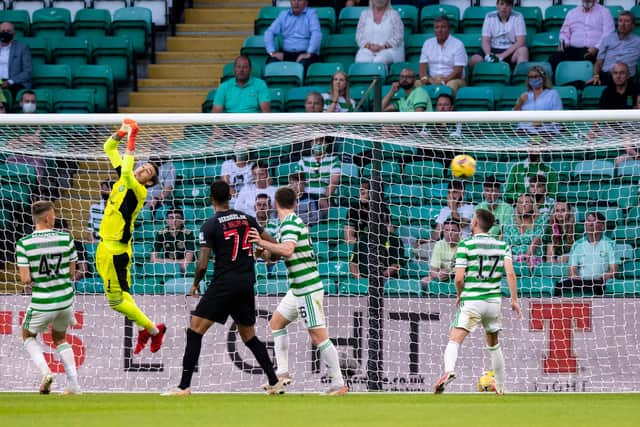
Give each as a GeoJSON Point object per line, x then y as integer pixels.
{"type": "Point", "coordinates": [39, 321]}
{"type": "Point", "coordinates": [307, 307]}
{"type": "Point", "coordinates": [470, 313]}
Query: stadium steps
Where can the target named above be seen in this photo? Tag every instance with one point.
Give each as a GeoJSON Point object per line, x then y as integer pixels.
{"type": "Point", "coordinates": [210, 37]}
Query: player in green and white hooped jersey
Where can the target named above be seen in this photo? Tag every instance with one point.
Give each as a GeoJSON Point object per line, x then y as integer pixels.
{"type": "Point", "coordinates": [304, 298]}
{"type": "Point", "coordinates": [481, 261]}
{"type": "Point", "coordinates": [47, 261]}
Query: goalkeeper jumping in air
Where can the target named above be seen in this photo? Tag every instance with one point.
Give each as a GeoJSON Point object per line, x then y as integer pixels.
{"type": "Point", "coordinates": [114, 254]}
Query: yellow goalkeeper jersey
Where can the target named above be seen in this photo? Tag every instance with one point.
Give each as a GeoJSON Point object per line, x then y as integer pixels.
{"type": "Point", "coordinates": [126, 199]}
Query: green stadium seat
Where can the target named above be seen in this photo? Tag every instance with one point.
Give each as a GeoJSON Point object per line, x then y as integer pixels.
{"type": "Point", "coordinates": [627, 233]}
{"type": "Point", "coordinates": [337, 213]}
{"type": "Point", "coordinates": [543, 45]}
{"type": "Point", "coordinates": [389, 171]}
{"type": "Point", "coordinates": [20, 20]}
{"type": "Point", "coordinates": [406, 194]}
{"type": "Point", "coordinates": [278, 100]}
{"type": "Point", "coordinates": [430, 12]}
{"type": "Point", "coordinates": [254, 48]}
{"type": "Point", "coordinates": [51, 76]}
{"type": "Point", "coordinates": [266, 16]}
{"type": "Point", "coordinates": [491, 74]}
{"type": "Point", "coordinates": [331, 231]}
{"type": "Point", "coordinates": [365, 72]}
{"type": "Point", "coordinates": [179, 286]}
{"type": "Point", "coordinates": [552, 270]}
{"type": "Point", "coordinates": [279, 270]}
{"type": "Point", "coordinates": [341, 252]}
{"type": "Point", "coordinates": [20, 173]}
{"type": "Point", "coordinates": [99, 78]}
{"type": "Point", "coordinates": [16, 193]}
{"type": "Point", "coordinates": [473, 18]}
{"type": "Point", "coordinates": [142, 250]}
{"type": "Point", "coordinates": [435, 91]}
{"type": "Point", "coordinates": [590, 170]}
{"type": "Point", "coordinates": [536, 287]}
{"type": "Point", "coordinates": [73, 51]}
{"type": "Point", "coordinates": [413, 47]}
{"type": "Point", "coordinates": [91, 23]}
{"type": "Point", "coordinates": [77, 101]}
{"type": "Point", "coordinates": [296, 97]}
{"type": "Point", "coordinates": [192, 195]}
{"type": "Point", "coordinates": [423, 171]}
{"type": "Point", "coordinates": [622, 288]}
{"type": "Point", "coordinates": [422, 215]}
{"type": "Point", "coordinates": [409, 15]}
{"type": "Point", "coordinates": [197, 215]}
{"type": "Point", "coordinates": [321, 250]}
{"type": "Point", "coordinates": [358, 92]}
{"type": "Point", "coordinates": [115, 52]}
{"type": "Point", "coordinates": [554, 17]}
{"type": "Point", "coordinates": [441, 289]}
{"type": "Point", "coordinates": [40, 51]}
{"type": "Point", "coordinates": [615, 11]}
{"type": "Point", "coordinates": [284, 74]}
{"type": "Point", "coordinates": [569, 96]}
{"type": "Point", "coordinates": [519, 76]}
{"type": "Point", "coordinates": [625, 196]}
{"type": "Point", "coordinates": [282, 171]}
{"type": "Point", "coordinates": [135, 24]}
{"type": "Point", "coordinates": [321, 73]}
{"type": "Point", "coordinates": [353, 286]}
{"type": "Point", "coordinates": [629, 171]}
{"type": "Point", "coordinates": [334, 272]}
{"type": "Point", "coordinates": [348, 19]}
{"type": "Point", "coordinates": [402, 287]}
{"type": "Point", "coordinates": [340, 48]}
{"type": "Point", "coordinates": [476, 98]}
{"type": "Point", "coordinates": [532, 17]}
{"type": "Point", "coordinates": [472, 42]}
{"type": "Point", "coordinates": [271, 287]}
{"type": "Point", "coordinates": [144, 285]}
{"type": "Point", "coordinates": [591, 95]}
{"type": "Point", "coordinates": [207, 105]}
{"type": "Point", "coordinates": [569, 72]}
{"type": "Point", "coordinates": [507, 96]}
{"type": "Point", "coordinates": [89, 285]}
{"type": "Point", "coordinates": [50, 22]}
{"type": "Point", "coordinates": [327, 18]}
{"type": "Point", "coordinates": [522, 269]}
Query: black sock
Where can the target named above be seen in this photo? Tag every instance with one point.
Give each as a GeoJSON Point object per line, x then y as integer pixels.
{"type": "Point", "coordinates": [259, 350]}
{"type": "Point", "coordinates": [190, 359]}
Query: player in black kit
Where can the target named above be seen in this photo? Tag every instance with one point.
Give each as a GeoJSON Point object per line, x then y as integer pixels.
{"type": "Point", "coordinates": [230, 293]}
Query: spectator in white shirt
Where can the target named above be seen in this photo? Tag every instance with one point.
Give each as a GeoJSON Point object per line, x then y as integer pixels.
{"type": "Point", "coordinates": [380, 34]}
{"type": "Point", "coordinates": [504, 36]}
{"type": "Point", "coordinates": [261, 184]}
{"type": "Point", "coordinates": [443, 58]}
{"type": "Point", "coordinates": [237, 172]}
{"type": "Point", "coordinates": [456, 210]}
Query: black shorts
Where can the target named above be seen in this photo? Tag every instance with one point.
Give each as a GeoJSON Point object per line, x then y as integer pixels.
{"type": "Point", "coordinates": [221, 301]}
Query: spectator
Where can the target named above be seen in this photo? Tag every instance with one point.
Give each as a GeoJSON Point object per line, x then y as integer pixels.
{"type": "Point", "coordinates": [160, 194]}
{"type": "Point", "coordinates": [504, 36]}
{"type": "Point", "coordinates": [443, 258]}
{"type": "Point", "coordinates": [264, 214]}
{"type": "Point", "coordinates": [521, 173]}
{"type": "Point", "coordinates": [380, 34]}
{"type": "Point", "coordinates": [582, 33]}
{"type": "Point", "coordinates": [322, 171]}
{"type": "Point", "coordinates": [175, 244]}
{"type": "Point", "coordinates": [83, 269]}
{"type": "Point", "coordinates": [621, 93]}
{"type": "Point", "coordinates": [621, 47]}
{"type": "Point", "coordinates": [538, 189]}
{"type": "Point", "coordinates": [244, 93]}
{"type": "Point", "coordinates": [524, 233]}
{"type": "Point", "coordinates": [560, 234]}
{"type": "Point", "coordinates": [237, 172]}
{"type": "Point", "coordinates": [416, 99]}
{"type": "Point", "coordinates": [456, 209]}
{"type": "Point", "coordinates": [631, 153]}
{"type": "Point", "coordinates": [306, 208]}
{"type": "Point", "coordinates": [592, 260]}
{"type": "Point", "coordinates": [301, 35]}
{"type": "Point", "coordinates": [15, 61]}
{"type": "Point", "coordinates": [540, 95]}
{"type": "Point", "coordinates": [444, 104]}
{"type": "Point", "coordinates": [96, 211]}
{"type": "Point", "coordinates": [28, 102]}
{"type": "Point", "coordinates": [443, 58]}
{"type": "Point", "coordinates": [339, 101]}
{"type": "Point", "coordinates": [314, 103]}
{"type": "Point", "coordinates": [503, 212]}
{"type": "Point", "coordinates": [261, 184]}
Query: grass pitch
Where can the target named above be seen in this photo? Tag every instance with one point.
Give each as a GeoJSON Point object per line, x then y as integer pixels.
{"type": "Point", "coordinates": [306, 410]}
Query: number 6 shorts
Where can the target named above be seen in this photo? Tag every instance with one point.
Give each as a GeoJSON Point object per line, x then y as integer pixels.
{"type": "Point", "coordinates": [307, 307]}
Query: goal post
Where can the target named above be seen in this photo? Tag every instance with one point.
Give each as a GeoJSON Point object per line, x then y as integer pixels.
{"type": "Point", "coordinates": [388, 306]}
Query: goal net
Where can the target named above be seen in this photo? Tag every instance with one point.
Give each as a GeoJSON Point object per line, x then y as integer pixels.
{"type": "Point", "coordinates": [377, 192]}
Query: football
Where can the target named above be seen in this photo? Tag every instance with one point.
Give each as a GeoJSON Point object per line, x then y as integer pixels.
{"type": "Point", "coordinates": [487, 382]}
{"type": "Point", "coordinates": [463, 166]}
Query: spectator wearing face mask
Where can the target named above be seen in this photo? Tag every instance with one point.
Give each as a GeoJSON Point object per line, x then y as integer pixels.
{"type": "Point", "coordinates": [15, 61]}
{"type": "Point", "coordinates": [28, 102]}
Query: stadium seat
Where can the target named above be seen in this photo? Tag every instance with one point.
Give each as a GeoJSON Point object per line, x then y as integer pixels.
{"type": "Point", "coordinates": [389, 171]}
{"type": "Point", "coordinates": [340, 48]}
{"type": "Point", "coordinates": [348, 19]}
{"type": "Point", "coordinates": [629, 171]}
{"type": "Point", "coordinates": [99, 78]}
{"type": "Point", "coordinates": [296, 97]}
{"type": "Point", "coordinates": [179, 286]}
{"type": "Point", "coordinates": [330, 231]}
{"type": "Point", "coordinates": [334, 270]}
{"type": "Point", "coordinates": [159, 10]}
{"type": "Point", "coordinates": [115, 52]}
{"type": "Point", "coordinates": [409, 15]}
{"type": "Point", "coordinates": [592, 170]}
{"type": "Point", "coordinates": [192, 195]}
{"type": "Point", "coordinates": [321, 73]}
{"type": "Point", "coordinates": [73, 51]}
{"type": "Point", "coordinates": [20, 19]}
{"type": "Point", "coordinates": [574, 73]}
{"type": "Point", "coordinates": [254, 48]}
{"type": "Point", "coordinates": [365, 72]}
{"type": "Point", "coordinates": [472, 42]}
{"type": "Point", "coordinates": [430, 12]}
{"type": "Point", "coordinates": [519, 76]}
{"type": "Point", "coordinates": [17, 173]}
{"type": "Point", "coordinates": [396, 68]}
{"type": "Point", "coordinates": [142, 250]}
{"type": "Point", "coordinates": [51, 76]}
{"type": "Point", "coordinates": [436, 90]}
{"type": "Point", "coordinates": [341, 252]}
{"type": "Point", "coordinates": [110, 5]}
{"type": "Point", "coordinates": [77, 101]}
{"type": "Point", "coordinates": [91, 23]}
{"type": "Point", "coordinates": [353, 286]}
{"type": "Point", "coordinates": [554, 17]}
{"type": "Point", "coordinates": [532, 17]}
{"type": "Point", "coordinates": [89, 285]}
{"type": "Point", "coordinates": [615, 10]}
{"type": "Point", "coordinates": [551, 270]}
{"type": "Point", "coordinates": [16, 193]}
{"type": "Point", "coordinates": [73, 6]}
{"type": "Point", "coordinates": [441, 289]}
{"type": "Point", "coordinates": [406, 194]}
{"type": "Point", "coordinates": [413, 46]}
{"type": "Point", "coordinates": [569, 96]}
{"type": "Point", "coordinates": [50, 22]}
{"type": "Point", "coordinates": [423, 171]}
{"type": "Point", "coordinates": [402, 287]}
{"type": "Point", "coordinates": [543, 45]}
{"type": "Point", "coordinates": [424, 215]}
{"type": "Point", "coordinates": [39, 47]}
{"type": "Point", "coordinates": [278, 99]}
{"type": "Point", "coordinates": [208, 102]}
{"type": "Point", "coordinates": [266, 16]}
{"type": "Point", "coordinates": [476, 98]}
{"type": "Point", "coordinates": [134, 23]}
{"type": "Point", "coordinates": [327, 18]}
{"type": "Point", "coordinates": [284, 74]}
{"type": "Point", "coordinates": [591, 95]}
{"type": "Point", "coordinates": [473, 18]}
{"type": "Point", "coordinates": [622, 288]}
{"type": "Point", "coordinates": [491, 74]}
{"type": "Point", "coordinates": [507, 96]}
{"type": "Point", "coordinates": [274, 287]}
{"type": "Point", "coordinates": [536, 287]}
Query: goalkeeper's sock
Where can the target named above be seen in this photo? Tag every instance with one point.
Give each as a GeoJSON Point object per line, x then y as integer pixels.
{"type": "Point", "coordinates": [129, 308]}
{"type": "Point", "coordinates": [451, 356]}
{"type": "Point", "coordinates": [259, 350]}
{"type": "Point", "coordinates": [329, 355]}
{"type": "Point", "coordinates": [65, 352]}
{"type": "Point", "coordinates": [190, 359]}
{"type": "Point", "coordinates": [497, 364]}
{"type": "Point", "coordinates": [36, 352]}
{"type": "Point", "coordinates": [281, 347]}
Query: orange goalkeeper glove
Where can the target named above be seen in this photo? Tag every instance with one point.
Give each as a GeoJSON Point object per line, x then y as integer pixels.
{"type": "Point", "coordinates": [133, 129]}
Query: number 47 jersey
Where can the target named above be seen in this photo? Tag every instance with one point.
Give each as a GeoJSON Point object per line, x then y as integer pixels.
{"type": "Point", "coordinates": [227, 234]}
{"type": "Point", "coordinates": [483, 258]}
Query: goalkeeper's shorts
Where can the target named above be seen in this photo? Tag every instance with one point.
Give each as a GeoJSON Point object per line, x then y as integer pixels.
{"type": "Point", "coordinates": [113, 262]}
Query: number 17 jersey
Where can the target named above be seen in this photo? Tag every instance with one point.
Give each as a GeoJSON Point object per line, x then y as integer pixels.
{"type": "Point", "coordinates": [483, 258]}
{"type": "Point", "coordinates": [227, 234]}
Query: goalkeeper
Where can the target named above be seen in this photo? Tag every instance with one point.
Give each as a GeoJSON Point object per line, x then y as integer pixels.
{"type": "Point", "coordinates": [114, 254]}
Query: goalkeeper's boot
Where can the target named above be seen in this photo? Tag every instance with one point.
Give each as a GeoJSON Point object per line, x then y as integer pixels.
{"type": "Point", "coordinates": [337, 390]}
{"type": "Point", "coordinates": [444, 382]}
{"type": "Point", "coordinates": [177, 391]}
{"type": "Point", "coordinates": [45, 385]}
{"type": "Point", "coordinates": [156, 340]}
{"type": "Point", "coordinates": [277, 388]}
{"type": "Point", "coordinates": [143, 339]}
